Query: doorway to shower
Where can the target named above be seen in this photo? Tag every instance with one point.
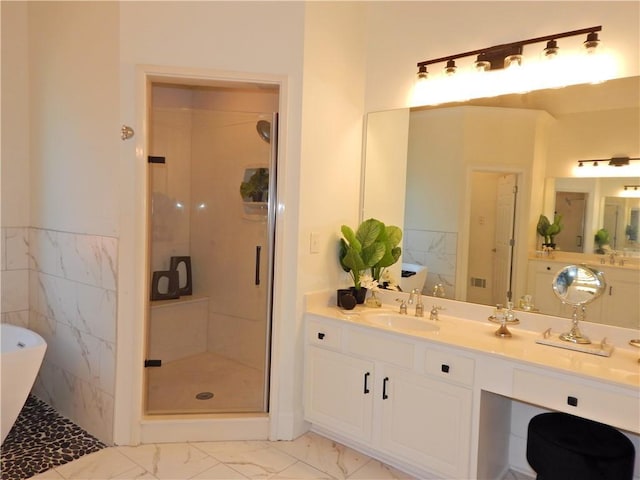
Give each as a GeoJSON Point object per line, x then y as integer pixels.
{"type": "Point", "coordinates": [211, 173]}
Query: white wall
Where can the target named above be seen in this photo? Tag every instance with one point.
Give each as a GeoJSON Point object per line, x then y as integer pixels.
{"type": "Point", "coordinates": [15, 111]}
{"type": "Point", "coordinates": [329, 182]}
{"type": "Point", "coordinates": [73, 53]}
{"type": "Point", "coordinates": [14, 164]}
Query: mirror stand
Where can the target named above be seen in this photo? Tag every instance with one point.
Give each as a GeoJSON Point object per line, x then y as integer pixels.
{"type": "Point", "coordinates": [574, 335]}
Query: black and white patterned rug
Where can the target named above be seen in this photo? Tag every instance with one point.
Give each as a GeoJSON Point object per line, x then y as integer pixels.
{"type": "Point", "coordinates": [42, 439]}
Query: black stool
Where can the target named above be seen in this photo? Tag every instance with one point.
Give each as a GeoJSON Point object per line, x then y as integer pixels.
{"type": "Point", "coordinates": [564, 447]}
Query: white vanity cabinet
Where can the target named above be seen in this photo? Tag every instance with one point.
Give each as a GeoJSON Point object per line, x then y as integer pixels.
{"type": "Point", "coordinates": [620, 302]}
{"type": "Point", "coordinates": [539, 285]}
{"type": "Point", "coordinates": [618, 305]}
{"type": "Point", "coordinates": [426, 422]}
{"type": "Point", "coordinates": [407, 401]}
{"type": "Point", "coordinates": [338, 393]}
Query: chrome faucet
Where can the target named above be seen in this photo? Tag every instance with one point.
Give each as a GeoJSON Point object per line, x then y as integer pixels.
{"type": "Point", "coordinates": [612, 258]}
{"type": "Point", "coordinates": [433, 315]}
{"type": "Point", "coordinates": [412, 296]}
{"type": "Point", "coordinates": [419, 304]}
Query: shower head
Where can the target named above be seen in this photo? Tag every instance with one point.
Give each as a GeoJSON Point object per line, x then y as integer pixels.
{"type": "Point", "coordinates": [264, 130]}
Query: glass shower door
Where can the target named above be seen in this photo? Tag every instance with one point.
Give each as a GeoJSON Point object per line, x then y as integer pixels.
{"type": "Point", "coordinates": [209, 328]}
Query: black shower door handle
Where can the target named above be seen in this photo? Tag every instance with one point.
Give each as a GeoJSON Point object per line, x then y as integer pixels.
{"type": "Point", "coordinates": [258, 249]}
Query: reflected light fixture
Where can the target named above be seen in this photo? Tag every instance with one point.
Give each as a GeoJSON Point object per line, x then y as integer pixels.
{"type": "Point", "coordinates": [612, 162]}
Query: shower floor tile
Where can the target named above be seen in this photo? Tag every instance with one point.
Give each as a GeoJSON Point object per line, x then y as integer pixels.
{"type": "Point", "coordinates": [235, 387]}
{"type": "Point", "coordinates": [42, 439]}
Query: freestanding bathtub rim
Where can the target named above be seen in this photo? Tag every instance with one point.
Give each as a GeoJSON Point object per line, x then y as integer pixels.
{"type": "Point", "coordinates": [21, 354]}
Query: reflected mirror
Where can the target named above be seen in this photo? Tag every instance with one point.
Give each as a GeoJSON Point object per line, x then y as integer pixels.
{"type": "Point", "coordinates": [621, 220]}
{"type": "Point", "coordinates": [577, 285]}
{"type": "Point", "coordinates": [468, 182]}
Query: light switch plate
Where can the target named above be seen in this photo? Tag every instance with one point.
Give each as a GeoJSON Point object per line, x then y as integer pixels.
{"type": "Point", "coordinates": [314, 242]}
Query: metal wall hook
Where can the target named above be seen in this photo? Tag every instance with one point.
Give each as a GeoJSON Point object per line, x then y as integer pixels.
{"type": "Point", "coordinates": [126, 132]}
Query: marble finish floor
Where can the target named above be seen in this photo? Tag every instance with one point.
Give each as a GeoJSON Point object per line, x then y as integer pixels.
{"type": "Point", "coordinates": [235, 387]}
{"type": "Point", "coordinates": [310, 456]}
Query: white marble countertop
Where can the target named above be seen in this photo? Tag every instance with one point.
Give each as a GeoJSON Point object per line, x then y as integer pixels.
{"type": "Point", "coordinates": [621, 261]}
{"type": "Point", "coordinates": [465, 326]}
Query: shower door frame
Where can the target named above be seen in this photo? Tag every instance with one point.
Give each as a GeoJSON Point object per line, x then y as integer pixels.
{"type": "Point", "coordinates": [263, 280]}
{"type": "Point", "coordinates": [131, 425]}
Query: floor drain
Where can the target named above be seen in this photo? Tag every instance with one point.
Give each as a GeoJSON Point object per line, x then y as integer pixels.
{"type": "Point", "coordinates": [204, 395]}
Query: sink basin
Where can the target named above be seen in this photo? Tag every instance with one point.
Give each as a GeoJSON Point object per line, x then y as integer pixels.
{"type": "Point", "coordinates": [401, 322]}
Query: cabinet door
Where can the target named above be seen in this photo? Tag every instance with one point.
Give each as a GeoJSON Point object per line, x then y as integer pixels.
{"type": "Point", "coordinates": [543, 297]}
{"type": "Point", "coordinates": [426, 422]}
{"type": "Point", "coordinates": [339, 392]}
{"type": "Point", "coordinates": [620, 303]}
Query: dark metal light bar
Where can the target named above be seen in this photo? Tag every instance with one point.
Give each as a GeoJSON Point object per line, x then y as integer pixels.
{"type": "Point", "coordinates": [506, 48]}
{"type": "Point", "coordinates": [613, 161]}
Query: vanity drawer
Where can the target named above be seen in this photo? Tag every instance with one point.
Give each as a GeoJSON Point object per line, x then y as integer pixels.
{"type": "Point", "coordinates": [449, 366]}
{"type": "Point", "coordinates": [589, 401]}
{"type": "Point", "coordinates": [378, 347]}
{"type": "Point", "coordinates": [324, 334]}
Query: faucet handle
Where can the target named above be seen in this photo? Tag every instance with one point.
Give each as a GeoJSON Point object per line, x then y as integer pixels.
{"type": "Point", "coordinates": [438, 290]}
{"type": "Point", "coordinates": [403, 305]}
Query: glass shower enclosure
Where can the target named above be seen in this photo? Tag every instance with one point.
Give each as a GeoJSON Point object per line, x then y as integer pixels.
{"type": "Point", "coordinates": [211, 183]}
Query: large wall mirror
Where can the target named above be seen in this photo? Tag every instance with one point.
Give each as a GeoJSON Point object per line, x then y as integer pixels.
{"type": "Point", "coordinates": [465, 179]}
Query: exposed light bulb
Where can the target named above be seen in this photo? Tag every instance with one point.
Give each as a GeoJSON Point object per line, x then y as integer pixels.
{"type": "Point", "coordinates": [513, 61]}
{"type": "Point", "coordinates": [592, 42]}
{"type": "Point", "coordinates": [451, 68]}
{"type": "Point", "coordinates": [551, 50]}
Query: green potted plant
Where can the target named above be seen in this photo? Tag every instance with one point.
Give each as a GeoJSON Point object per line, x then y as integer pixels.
{"type": "Point", "coordinates": [256, 187]}
{"type": "Point", "coordinates": [548, 230]}
{"type": "Point", "coordinates": [372, 247]}
{"type": "Point", "coordinates": [602, 240]}
{"type": "Point", "coordinates": [390, 236]}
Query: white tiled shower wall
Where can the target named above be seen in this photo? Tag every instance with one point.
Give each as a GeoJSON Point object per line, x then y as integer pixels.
{"type": "Point", "coordinates": [435, 250]}
{"type": "Point", "coordinates": [63, 286]}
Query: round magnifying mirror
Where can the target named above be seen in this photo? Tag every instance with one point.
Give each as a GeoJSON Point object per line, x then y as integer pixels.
{"type": "Point", "coordinates": [578, 285]}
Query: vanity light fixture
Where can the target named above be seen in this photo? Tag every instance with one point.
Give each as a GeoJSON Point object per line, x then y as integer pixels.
{"type": "Point", "coordinates": [612, 162]}
{"type": "Point", "coordinates": [628, 187]}
{"type": "Point", "coordinates": [511, 72]}
{"type": "Point", "coordinates": [502, 56]}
